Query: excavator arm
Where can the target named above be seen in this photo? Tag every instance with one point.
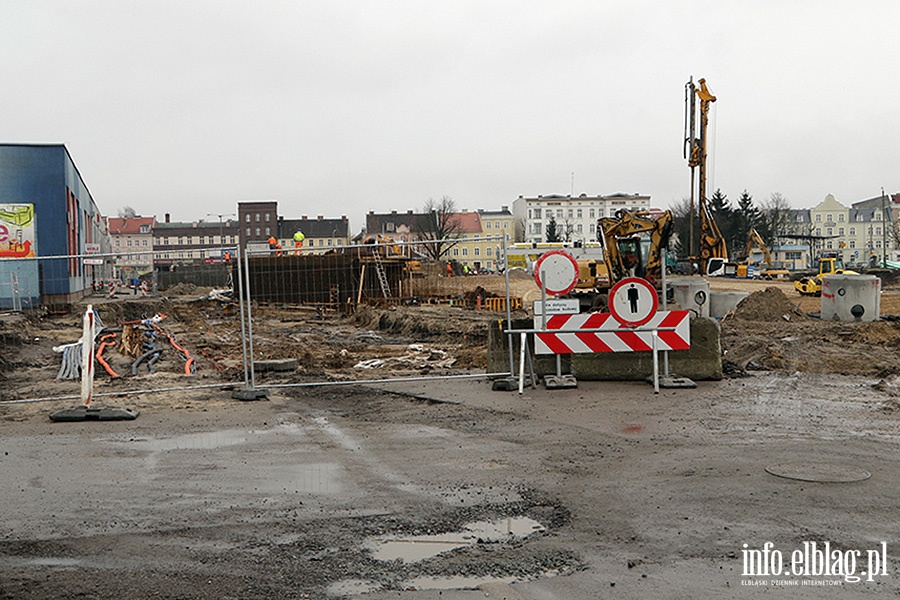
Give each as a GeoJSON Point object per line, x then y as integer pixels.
{"type": "Point", "coordinates": [754, 240]}
{"type": "Point", "coordinates": [613, 232]}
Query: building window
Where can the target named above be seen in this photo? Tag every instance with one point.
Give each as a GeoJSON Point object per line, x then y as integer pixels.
{"type": "Point", "coordinates": [829, 230]}
{"type": "Point", "coordinates": [477, 251]}
{"type": "Point", "coordinates": [488, 252]}
{"type": "Point", "coordinates": [819, 218]}
{"type": "Point", "coordinates": [389, 227]}
{"type": "Point", "coordinates": [456, 252]}
{"type": "Point", "coordinates": [818, 231]}
{"type": "Point", "coordinates": [267, 217]}
{"type": "Point", "coordinates": [257, 231]}
{"type": "Point", "coordinates": [506, 225]}
{"type": "Point", "coordinates": [841, 217]}
{"type": "Point", "coordinates": [144, 242]}
{"type": "Point", "coordinates": [465, 251]}
{"type": "Point", "coordinates": [578, 228]}
{"type": "Point", "coordinates": [853, 243]}
{"type": "Point", "coordinates": [592, 228]}
{"type": "Point", "coordinates": [487, 224]}
{"type": "Point", "coordinates": [129, 243]}
{"type": "Point", "coordinates": [330, 242]}
{"type": "Point", "coordinates": [248, 231]}
{"type": "Point", "coordinates": [268, 231]}
{"type": "Point", "coordinates": [247, 218]}
{"type": "Point", "coordinates": [853, 231]}
{"type": "Point", "coordinates": [878, 231]}
{"type": "Point", "coordinates": [578, 213]}
{"type": "Point", "coordinates": [537, 213]}
{"type": "Point", "coordinates": [840, 231]}
{"type": "Point", "coordinates": [496, 224]}
{"type": "Point", "coordinates": [257, 217]}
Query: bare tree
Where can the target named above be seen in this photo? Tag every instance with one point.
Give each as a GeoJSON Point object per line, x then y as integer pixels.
{"type": "Point", "coordinates": [126, 212]}
{"type": "Point", "coordinates": [776, 218]}
{"type": "Point", "coordinates": [439, 225]}
{"type": "Point", "coordinates": [681, 210]}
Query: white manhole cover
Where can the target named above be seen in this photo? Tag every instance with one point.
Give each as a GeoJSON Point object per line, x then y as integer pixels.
{"type": "Point", "coordinates": [818, 472]}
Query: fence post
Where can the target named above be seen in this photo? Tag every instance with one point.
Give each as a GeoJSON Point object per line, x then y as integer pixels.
{"type": "Point", "coordinates": [249, 391]}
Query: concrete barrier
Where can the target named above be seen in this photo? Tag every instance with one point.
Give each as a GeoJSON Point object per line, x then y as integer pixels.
{"type": "Point", "coordinates": [702, 362]}
{"type": "Point", "coordinates": [722, 303]}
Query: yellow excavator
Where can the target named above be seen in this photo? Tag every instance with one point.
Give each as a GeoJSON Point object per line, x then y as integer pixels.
{"type": "Point", "coordinates": [623, 246]}
{"type": "Point", "coordinates": [829, 264]}
{"type": "Point", "coordinates": [755, 241]}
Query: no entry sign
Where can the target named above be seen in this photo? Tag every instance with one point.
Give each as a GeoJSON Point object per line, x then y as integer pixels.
{"type": "Point", "coordinates": [558, 271]}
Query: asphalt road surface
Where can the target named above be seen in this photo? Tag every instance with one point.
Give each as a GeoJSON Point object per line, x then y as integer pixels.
{"type": "Point", "coordinates": [449, 490]}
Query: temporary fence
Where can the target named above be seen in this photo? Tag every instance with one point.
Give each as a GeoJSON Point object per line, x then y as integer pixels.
{"type": "Point", "coordinates": [237, 295]}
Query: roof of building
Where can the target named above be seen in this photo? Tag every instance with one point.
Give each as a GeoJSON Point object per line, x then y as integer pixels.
{"type": "Point", "coordinates": [503, 212]}
{"type": "Point", "coordinates": [129, 225]}
{"type": "Point", "coordinates": [468, 222]}
{"type": "Point", "coordinates": [206, 226]}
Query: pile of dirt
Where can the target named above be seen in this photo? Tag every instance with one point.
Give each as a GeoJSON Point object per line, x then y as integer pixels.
{"type": "Point", "coordinates": [187, 289]}
{"type": "Point", "coordinates": [768, 305]}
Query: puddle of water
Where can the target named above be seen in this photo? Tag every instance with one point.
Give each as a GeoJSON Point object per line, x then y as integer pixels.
{"type": "Point", "coordinates": [207, 440]}
{"type": "Point", "coordinates": [455, 582]}
{"type": "Point", "coordinates": [421, 547]}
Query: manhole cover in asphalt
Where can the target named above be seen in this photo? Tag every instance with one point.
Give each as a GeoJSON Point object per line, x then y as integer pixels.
{"type": "Point", "coordinates": [818, 472]}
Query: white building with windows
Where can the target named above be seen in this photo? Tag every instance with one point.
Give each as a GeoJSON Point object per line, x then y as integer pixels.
{"type": "Point", "coordinates": [858, 233]}
{"type": "Point", "coordinates": [576, 216]}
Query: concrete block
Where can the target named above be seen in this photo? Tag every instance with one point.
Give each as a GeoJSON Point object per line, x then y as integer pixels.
{"type": "Point", "coordinates": [721, 303]}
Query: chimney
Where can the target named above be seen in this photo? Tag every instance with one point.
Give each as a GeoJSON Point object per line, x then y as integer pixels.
{"type": "Point", "coordinates": [303, 218]}
{"type": "Point", "coordinates": [167, 217]}
{"type": "Point", "coordinates": [319, 217]}
{"type": "Point", "coordinates": [344, 218]}
{"type": "Point", "coordinates": [504, 208]}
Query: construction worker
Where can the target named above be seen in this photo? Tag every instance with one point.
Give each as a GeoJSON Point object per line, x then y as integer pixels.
{"type": "Point", "coordinates": [298, 241]}
{"type": "Point", "coordinates": [274, 245]}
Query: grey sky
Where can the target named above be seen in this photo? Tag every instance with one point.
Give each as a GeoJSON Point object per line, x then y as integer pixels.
{"type": "Point", "coordinates": [343, 107]}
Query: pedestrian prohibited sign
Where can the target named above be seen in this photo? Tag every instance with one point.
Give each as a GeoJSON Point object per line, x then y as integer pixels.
{"type": "Point", "coordinates": [557, 271]}
{"type": "Point", "coordinates": [633, 301]}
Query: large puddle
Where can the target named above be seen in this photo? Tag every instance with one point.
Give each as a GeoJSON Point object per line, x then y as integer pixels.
{"type": "Point", "coordinates": [420, 547]}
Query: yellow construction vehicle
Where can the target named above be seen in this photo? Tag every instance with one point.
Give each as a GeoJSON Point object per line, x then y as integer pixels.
{"type": "Point", "coordinates": [755, 242]}
{"type": "Point", "coordinates": [713, 250]}
{"type": "Point", "coordinates": [624, 247]}
{"type": "Point", "coordinates": [828, 265]}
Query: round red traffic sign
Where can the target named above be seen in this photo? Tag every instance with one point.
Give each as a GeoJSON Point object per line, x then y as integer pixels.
{"type": "Point", "coordinates": [557, 271]}
{"type": "Point", "coordinates": [633, 301]}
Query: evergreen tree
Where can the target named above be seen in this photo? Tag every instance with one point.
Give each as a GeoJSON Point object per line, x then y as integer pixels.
{"type": "Point", "coordinates": [723, 213]}
{"type": "Point", "coordinates": [747, 217]}
{"type": "Point", "coordinates": [553, 233]}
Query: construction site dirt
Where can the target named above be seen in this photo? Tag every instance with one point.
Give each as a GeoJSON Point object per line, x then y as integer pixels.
{"type": "Point", "coordinates": [442, 487]}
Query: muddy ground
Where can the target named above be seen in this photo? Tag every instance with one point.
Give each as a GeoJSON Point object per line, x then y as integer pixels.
{"type": "Point", "coordinates": [621, 493]}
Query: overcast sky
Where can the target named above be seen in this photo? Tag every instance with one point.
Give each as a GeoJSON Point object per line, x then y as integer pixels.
{"type": "Point", "coordinates": [338, 108]}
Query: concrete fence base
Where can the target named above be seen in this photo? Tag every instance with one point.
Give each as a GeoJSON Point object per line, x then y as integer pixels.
{"type": "Point", "coordinates": [702, 362]}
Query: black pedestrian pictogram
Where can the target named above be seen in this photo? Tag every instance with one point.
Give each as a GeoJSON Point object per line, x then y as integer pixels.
{"type": "Point", "coordinates": [633, 298]}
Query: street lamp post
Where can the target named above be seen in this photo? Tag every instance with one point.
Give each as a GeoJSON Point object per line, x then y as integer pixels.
{"type": "Point", "coordinates": [221, 229]}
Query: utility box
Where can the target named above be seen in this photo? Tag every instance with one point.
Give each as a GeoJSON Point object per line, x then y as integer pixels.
{"type": "Point", "coordinates": [691, 293]}
{"type": "Point", "coordinates": [851, 297]}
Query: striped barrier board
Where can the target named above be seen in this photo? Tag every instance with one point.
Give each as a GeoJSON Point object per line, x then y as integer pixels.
{"type": "Point", "coordinates": [672, 329]}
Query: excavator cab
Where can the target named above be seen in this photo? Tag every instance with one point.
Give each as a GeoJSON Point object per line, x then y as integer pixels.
{"type": "Point", "coordinates": [631, 255]}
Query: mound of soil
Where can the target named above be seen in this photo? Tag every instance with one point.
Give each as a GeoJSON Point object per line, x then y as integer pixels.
{"type": "Point", "coordinates": [769, 305]}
